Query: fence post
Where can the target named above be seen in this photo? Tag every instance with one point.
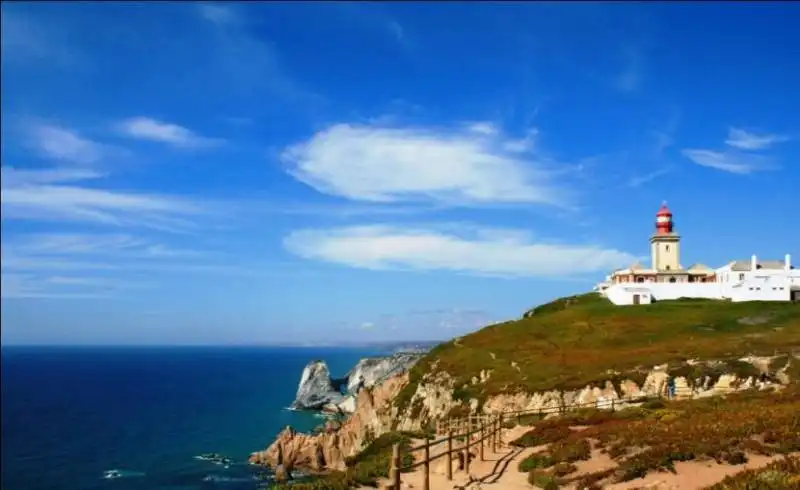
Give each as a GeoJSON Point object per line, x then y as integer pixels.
{"type": "Point", "coordinates": [426, 482]}
{"type": "Point", "coordinates": [466, 448]}
{"type": "Point", "coordinates": [483, 433]}
{"type": "Point", "coordinates": [394, 472]}
{"type": "Point", "coordinates": [450, 455]}
{"type": "Point", "coordinates": [500, 429]}
{"type": "Point", "coordinates": [494, 433]}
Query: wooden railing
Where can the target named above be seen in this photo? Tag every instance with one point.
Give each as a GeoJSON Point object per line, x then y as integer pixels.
{"type": "Point", "coordinates": [489, 428]}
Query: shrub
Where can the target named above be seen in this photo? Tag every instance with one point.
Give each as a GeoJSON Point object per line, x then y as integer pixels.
{"type": "Point", "coordinates": [541, 435]}
{"type": "Point", "coordinates": [535, 461]}
{"type": "Point", "coordinates": [570, 450]}
{"type": "Point", "coordinates": [780, 475]}
{"type": "Point", "coordinates": [544, 480]}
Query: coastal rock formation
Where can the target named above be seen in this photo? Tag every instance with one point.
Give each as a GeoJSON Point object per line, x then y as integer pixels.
{"type": "Point", "coordinates": [373, 370]}
{"type": "Point", "coordinates": [317, 390]}
{"type": "Point", "coordinates": [376, 413]}
{"type": "Point", "coordinates": [328, 450]}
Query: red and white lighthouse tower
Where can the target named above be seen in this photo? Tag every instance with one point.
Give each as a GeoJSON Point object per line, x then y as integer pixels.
{"type": "Point", "coordinates": [664, 220]}
{"type": "Point", "coordinates": [665, 243]}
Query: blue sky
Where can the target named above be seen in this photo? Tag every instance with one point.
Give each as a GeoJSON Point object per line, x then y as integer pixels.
{"type": "Point", "coordinates": [201, 173]}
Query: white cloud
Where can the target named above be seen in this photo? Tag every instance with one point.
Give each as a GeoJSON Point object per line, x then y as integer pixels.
{"type": "Point", "coordinates": [732, 162]}
{"type": "Point", "coordinates": [43, 195]}
{"type": "Point", "coordinates": [643, 179]}
{"type": "Point", "coordinates": [739, 138]}
{"type": "Point", "coordinates": [484, 252]}
{"type": "Point", "coordinates": [145, 128]}
{"type": "Point", "coordinates": [218, 14]}
{"type": "Point", "coordinates": [59, 143]}
{"type": "Point", "coordinates": [78, 265]}
{"type": "Point", "coordinates": [383, 164]}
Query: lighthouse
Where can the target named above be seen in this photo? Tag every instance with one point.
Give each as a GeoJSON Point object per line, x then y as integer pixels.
{"type": "Point", "coordinates": [665, 244]}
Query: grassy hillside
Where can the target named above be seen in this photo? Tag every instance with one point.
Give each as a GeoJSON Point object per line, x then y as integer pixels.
{"type": "Point", "coordinates": [583, 339]}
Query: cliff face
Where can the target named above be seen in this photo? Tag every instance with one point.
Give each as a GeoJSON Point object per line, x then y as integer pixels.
{"type": "Point", "coordinates": [376, 411]}
{"type": "Point", "coordinates": [317, 390]}
{"type": "Point", "coordinates": [328, 450]}
{"type": "Point", "coordinates": [372, 371]}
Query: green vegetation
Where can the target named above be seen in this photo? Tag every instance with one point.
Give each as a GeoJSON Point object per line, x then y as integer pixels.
{"type": "Point", "coordinates": [585, 339]}
{"type": "Point", "coordinates": [652, 438]}
{"type": "Point", "coordinates": [365, 468]}
{"type": "Point", "coordinates": [780, 475]}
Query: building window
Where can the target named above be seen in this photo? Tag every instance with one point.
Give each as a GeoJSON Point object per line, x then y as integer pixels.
{"type": "Point", "coordinates": [667, 268]}
{"type": "Point", "coordinates": [667, 248]}
{"type": "Point", "coordinates": [671, 279]}
{"type": "Point", "coordinates": [741, 276]}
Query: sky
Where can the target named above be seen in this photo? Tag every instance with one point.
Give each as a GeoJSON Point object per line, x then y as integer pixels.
{"type": "Point", "coordinates": [309, 173]}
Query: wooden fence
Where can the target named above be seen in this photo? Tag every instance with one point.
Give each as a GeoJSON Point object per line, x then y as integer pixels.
{"type": "Point", "coordinates": [489, 431]}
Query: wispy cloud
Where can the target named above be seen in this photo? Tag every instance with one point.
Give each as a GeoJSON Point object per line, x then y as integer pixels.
{"type": "Point", "coordinates": [52, 195]}
{"type": "Point", "coordinates": [145, 128]}
{"type": "Point", "coordinates": [630, 78]}
{"type": "Point", "coordinates": [510, 253]}
{"type": "Point", "coordinates": [741, 139]}
{"type": "Point", "coordinates": [472, 164]}
{"type": "Point", "coordinates": [64, 145]}
{"type": "Point", "coordinates": [732, 162]}
{"type": "Point", "coordinates": [742, 159]}
{"type": "Point", "coordinates": [217, 13]}
{"type": "Point", "coordinates": [25, 39]}
{"type": "Point", "coordinates": [84, 265]}
{"type": "Point", "coordinates": [244, 59]}
{"type": "Point", "coordinates": [643, 179]}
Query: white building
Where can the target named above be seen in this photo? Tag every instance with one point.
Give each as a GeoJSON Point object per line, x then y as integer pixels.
{"type": "Point", "coordinates": [666, 279]}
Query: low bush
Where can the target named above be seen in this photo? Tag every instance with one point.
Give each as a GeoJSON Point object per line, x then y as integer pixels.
{"type": "Point", "coordinates": [541, 435]}
{"type": "Point", "coordinates": [535, 461]}
{"type": "Point", "coordinates": [780, 475]}
{"type": "Point", "coordinates": [544, 479]}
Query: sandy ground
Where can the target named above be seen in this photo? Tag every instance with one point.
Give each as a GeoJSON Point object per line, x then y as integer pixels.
{"type": "Point", "coordinates": [499, 470]}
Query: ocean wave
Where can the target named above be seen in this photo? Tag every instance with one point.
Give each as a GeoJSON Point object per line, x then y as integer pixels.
{"type": "Point", "coordinates": [115, 473]}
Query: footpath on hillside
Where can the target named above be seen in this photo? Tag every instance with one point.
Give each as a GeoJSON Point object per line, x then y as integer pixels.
{"type": "Point", "coordinates": [499, 470]}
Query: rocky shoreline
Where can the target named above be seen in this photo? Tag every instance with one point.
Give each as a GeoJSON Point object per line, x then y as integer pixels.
{"type": "Point", "coordinates": [375, 412]}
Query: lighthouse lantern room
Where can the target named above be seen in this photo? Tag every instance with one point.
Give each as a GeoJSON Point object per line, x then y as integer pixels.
{"type": "Point", "coordinates": [665, 243]}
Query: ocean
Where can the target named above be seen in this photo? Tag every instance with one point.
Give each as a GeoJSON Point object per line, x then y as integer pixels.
{"type": "Point", "coordinates": [70, 414]}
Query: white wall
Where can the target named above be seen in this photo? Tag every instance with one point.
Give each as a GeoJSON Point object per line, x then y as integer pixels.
{"type": "Point", "coordinates": [621, 294]}
{"type": "Point", "coordinates": [767, 287]}
{"type": "Point", "coordinates": [665, 290]}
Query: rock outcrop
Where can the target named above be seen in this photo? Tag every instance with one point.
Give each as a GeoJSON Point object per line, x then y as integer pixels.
{"type": "Point", "coordinates": [372, 371]}
{"type": "Point", "coordinates": [375, 413]}
{"type": "Point", "coordinates": [328, 450]}
{"type": "Point", "coordinates": [317, 390]}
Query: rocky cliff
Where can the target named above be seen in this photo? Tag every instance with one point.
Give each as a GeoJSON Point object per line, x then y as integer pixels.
{"type": "Point", "coordinates": [319, 391]}
{"type": "Point", "coordinates": [372, 371]}
{"type": "Point", "coordinates": [328, 450]}
{"type": "Point", "coordinates": [377, 411]}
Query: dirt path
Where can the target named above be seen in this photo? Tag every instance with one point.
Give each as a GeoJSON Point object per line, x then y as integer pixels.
{"type": "Point", "coordinates": [499, 470]}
